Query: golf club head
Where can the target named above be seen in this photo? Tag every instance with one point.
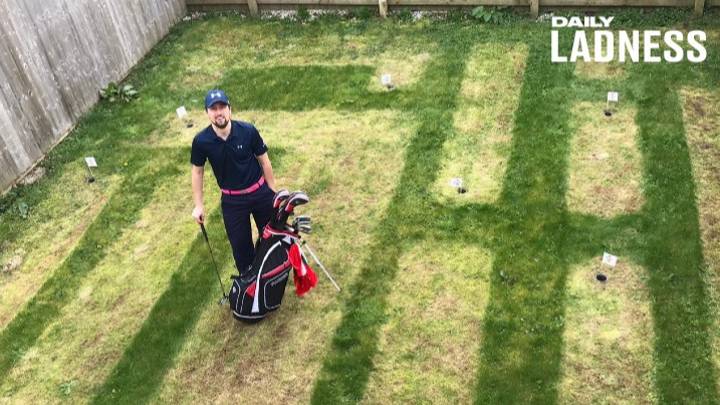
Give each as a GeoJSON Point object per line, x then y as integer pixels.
{"type": "Point", "coordinates": [222, 301]}
{"type": "Point", "coordinates": [280, 196]}
{"type": "Point", "coordinates": [301, 220]}
{"type": "Point", "coordinates": [288, 206]}
{"type": "Point", "coordinates": [305, 229]}
{"type": "Point", "coordinates": [295, 199]}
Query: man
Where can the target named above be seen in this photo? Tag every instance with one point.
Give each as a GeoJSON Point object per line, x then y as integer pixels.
{"type": "Point", "coordinates": [239, 160]}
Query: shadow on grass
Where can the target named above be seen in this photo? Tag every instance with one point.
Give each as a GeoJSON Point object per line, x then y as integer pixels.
{"type": "Point", "coordinates": [152, 351]}
{"type": "Point", "coordinates": [146, 360]}
{"type": "Point", "coordinates": [299, 88]}
{"type": "Point", "coordinates": [347, 366]}
{"type": "Point", "coordinates": [672, 251]}
{"type": "Point", "coordinates": [522, 330]}
{"type": "Point", "coordinates": [120, 212]}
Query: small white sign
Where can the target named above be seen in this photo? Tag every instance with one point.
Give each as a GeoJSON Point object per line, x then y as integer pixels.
{"type": "Point", "coordinates": [90, 161]}
{"type": "Point", "coordinates": [386, 80]}
{"type": "Point", "coordinates": [181, 112]}
{"type": "Point", "coordinates": [609, 259]}
{"type": "Point", "coordinates": [613, 97]}
{"type": "Point", "coordinates": [456, 182]}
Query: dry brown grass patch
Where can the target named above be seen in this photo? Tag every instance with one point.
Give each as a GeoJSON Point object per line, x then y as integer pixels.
{"type": "Point", "coordinates": [599, 71]}
{"type": "Point", "coordinates": [479, 149]}
{"type": "Point", "coordinates": [608, 336]}
{"type": "Point", "coordinates": [701, 112]}
{"type": "Point", "coordinates": [605, 162]}
{"type": "Point", "coordinates": [428, 348]}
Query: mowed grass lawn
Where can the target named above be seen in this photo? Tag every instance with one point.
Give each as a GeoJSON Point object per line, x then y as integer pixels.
{"type": "Point", "coordinates": [107, 292]}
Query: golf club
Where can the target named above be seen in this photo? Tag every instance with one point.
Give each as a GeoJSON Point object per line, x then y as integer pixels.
{"type": "Point", "coordinates": [222, 288]}
{"type": "Point", "coordinates": [304, 243]}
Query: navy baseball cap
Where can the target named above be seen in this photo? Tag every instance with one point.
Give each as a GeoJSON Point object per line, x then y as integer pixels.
{"type": "Point", "coordinates": [215, 96]}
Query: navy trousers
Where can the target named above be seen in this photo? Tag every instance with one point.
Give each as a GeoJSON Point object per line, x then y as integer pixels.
{"type": "Point", "coordinates": [236, 211]}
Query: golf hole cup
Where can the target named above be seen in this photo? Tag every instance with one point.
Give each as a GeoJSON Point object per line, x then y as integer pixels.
{"type": "Point", "coordinates": [386, 81]}
{"type": "Point", "coordinates": [183, 115]}
{"type": "Point", "coordinates": [612, 97]}
{"type": "Point", "coordinates": [90, 163]}
{"type": "Point", "coordinates": [457, 184]}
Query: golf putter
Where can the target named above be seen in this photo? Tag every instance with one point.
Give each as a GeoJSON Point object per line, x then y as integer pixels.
{"type": "Point", "coordinates": [222, 288]}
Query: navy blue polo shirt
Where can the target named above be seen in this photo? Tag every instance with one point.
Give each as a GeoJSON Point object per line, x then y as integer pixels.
{"type": "Point", "coordinates": [233, 160]}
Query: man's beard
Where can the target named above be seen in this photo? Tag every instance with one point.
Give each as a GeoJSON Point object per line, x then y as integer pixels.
{"type": "Point", "coordinates": [225, 123]}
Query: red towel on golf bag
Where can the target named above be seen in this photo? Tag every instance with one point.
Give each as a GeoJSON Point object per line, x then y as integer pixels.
{"type": "Point", "coordinates": [304, 277]}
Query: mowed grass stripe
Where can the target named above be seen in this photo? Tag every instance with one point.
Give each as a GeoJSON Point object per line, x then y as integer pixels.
{"type": "Point", "coordinates": [81, 345]}
{"type": "Point", "coordinates": [349, 362]}
{"type": "Point", "coordinates": [428, 347]}
{"type": "Point", "coordinates": [120, 212]}
{"type": "Point", "coordinates": [608, 354]}
{"type": "Point", "coordinates": [701, 111]}
{"type": "Point", "coordinates": [479, 150]}
{"type": "Point", "coordinates": [672, 251]}
{"type": "Point", "coordinates": [49, 234]}
{"type": "Point", "coordinates": [350, 178]}
{"type": "Point", "coordinates": [152, 350]}
{"type": "Point", "coordinates": [522, 331]}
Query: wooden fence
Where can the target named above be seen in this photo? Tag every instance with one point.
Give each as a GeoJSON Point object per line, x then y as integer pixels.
{"type": "Point", "coordinates": [254, 5]}
{"type": "Point", "coordinates": [55, 55]}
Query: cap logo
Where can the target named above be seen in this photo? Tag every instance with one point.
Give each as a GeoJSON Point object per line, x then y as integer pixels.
{"type": "Point", "coordinates": [215, 94]}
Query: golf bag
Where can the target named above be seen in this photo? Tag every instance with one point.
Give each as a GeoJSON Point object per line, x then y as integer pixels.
{"type": "Point", "coordinates": [260, 289]}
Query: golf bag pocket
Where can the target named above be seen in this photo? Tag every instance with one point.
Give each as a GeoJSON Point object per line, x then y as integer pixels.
{"type": "Point", "coordinates": [274, 290]}
{"type": "Point", "coordinates": [250, 302]}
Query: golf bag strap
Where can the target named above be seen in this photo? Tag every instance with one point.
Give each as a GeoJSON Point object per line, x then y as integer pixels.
{"type": "Point", "coordinates": [248, 190]}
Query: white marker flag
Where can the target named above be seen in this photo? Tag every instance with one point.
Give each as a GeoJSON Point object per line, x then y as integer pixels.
{"type": "Point", "coordinates": [609, 259]}
{"type": "Point", "coordinates": [181, 112]}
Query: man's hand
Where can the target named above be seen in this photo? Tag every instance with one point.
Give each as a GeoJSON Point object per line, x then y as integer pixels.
{"type": "Point", "coordinates": [198, 214]}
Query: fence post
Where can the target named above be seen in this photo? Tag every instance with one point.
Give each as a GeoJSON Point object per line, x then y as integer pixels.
{"type": "Point", "coordinates": [535, 9]}
{"type": "Point", "coordinates": [383, 8]}
{"type": "Point", "coordinates": [252, 5]}
{"type": "Point", "coordinates": [699, 7]}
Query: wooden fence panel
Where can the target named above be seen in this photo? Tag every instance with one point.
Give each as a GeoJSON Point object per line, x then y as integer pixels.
{"type": "Point", "coordinates": [55, 55]}
{"type": "Point", "coordinates": [542, 3]}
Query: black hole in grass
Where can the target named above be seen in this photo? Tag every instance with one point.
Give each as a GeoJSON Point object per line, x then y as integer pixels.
{"type": "Point", "coordinates": [601, 277]}
{"type": "Point", "coordinates": [608, 113]}
{"type": "Point", "coordinates": [462, 190]}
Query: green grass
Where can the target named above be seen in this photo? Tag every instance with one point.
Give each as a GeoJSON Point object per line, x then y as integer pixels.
{"type": "Point", "coordinates": [312, 90]}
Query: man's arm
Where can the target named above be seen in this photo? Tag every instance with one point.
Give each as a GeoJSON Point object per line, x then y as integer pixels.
{"type": "Point", "coordinates": [197, 173]}
{"type": "Point", "coordinates": [266, 166]}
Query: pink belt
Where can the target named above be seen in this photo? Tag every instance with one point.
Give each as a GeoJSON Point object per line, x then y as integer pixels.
{"type": "Point", "coordinates": [248, 190]}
